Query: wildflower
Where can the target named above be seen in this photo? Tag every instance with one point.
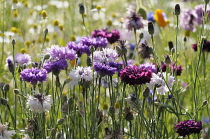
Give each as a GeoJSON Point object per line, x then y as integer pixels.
{"type": "Point", "coordinates": [134, 75]}
{"type": "Point", "coordinates": [206, 46]}
{"type": "Point", "coordinates": [160, 18]}
{"type": "Point", "coordinates": [104, 69]}
{"type": "Point", "coordinates": [96, 42]}
{"type": "Point", "coordinates": [80, 73]}
{"type": "Point", "coordinates": [145, 51]}
{"type": "Point", "coordinates": [58, 53]}
{"type": "Point", "coordinates": [148, 66]}
{"type": "Point", "coordinates": [177, 70]}
{"type": "Point", "coordinates": [4, 133]}
{"type": "Point", "coordinates": [105, 56]}
{"type": "Point", "coordinates": [134, 20]}
{"type": "Point", "coordinates": [150, 17]}
{"type": "Point", "coordinates": [159, 81]}
{"type": "Point", "coordinates": [188, 127]}
{"type": "Point", "coordinates": [55, 66]}
{"type": "Point", "coordinates": [79, 48]}
{"type": "Point", "coordinates": [22, 59]}
{"type": "Point", "coordinates": [34, 75]}
{"type": "Point", "coordinates": [44, 14]}
{"type": "Point", "coordinates": [39, 103]}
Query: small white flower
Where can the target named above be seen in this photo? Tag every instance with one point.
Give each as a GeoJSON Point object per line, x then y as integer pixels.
{"type": "Point", "coordinates": [4, 133]}
{"type": "Point", "coordinates": [80, 73]}
{"type": "Point", "coordinates": [159, 81]}
{"type": "Point", "coordinates": [39, 103]}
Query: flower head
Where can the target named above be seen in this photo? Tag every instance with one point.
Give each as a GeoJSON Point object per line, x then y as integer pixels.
{"type": "Point", "coordinates": [39, 103]}
{"type": "Point", "coordinates": [96, 42]}
{"type": "Point", "coordinates": [79, 48]}
{"type": "Point", "coordinates": [134, 75]}
{"type": "Point", "coordinates": [58, 53]}
{"type": "Point", "coordinates": [80, 73]}
{"type": "Point", "coordinates": [188, 127]}
{"type": "Point", "coordinates": [34, 75]}
{"type": "Point", "coordinates": [55, 66]}
{"type": "Point", "coordinates": [134, 20]}
{"type": "Point", "coordinates": [4, 133]}
{"type": "Point", "coordinates": [160, 18]}
{"type": "Point", "coordinates": [105, 56]}
{"type": "Point", "coordinates": [206, 46]}
{"type": "Point", "coordinates": [22, 59]}
{"type": "Point", "coordinates": [104, 69]}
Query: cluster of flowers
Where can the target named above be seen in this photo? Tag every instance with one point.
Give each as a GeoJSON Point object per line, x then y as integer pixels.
{"type": "Point", "coordinates": [175, 69]}
{"type": "Point", "coordinates": [188, 127]}
{"type": "Point", "coordinates": [205, 47]}
{"type": "Point", "coordinates": [190, 18]}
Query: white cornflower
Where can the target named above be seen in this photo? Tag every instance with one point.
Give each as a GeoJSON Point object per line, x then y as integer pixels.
{"type": "Point", "coordinates": [4, 133]}
{"type": "Point", "coordinates": [158, 81]}
{"type": "Point", "coordinates": [39, 103]}
{"type": "Point", "coordinates": [107, 55]}
{"type": "Point", "coordinates": [80, 73]}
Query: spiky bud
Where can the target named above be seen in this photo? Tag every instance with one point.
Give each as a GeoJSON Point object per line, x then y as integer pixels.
{"type": "Point", "coordinates": [177, 9]}
{"type": "Point", "coordinates": [81, 9]}
{"type": "Point", "coordinates": [151, 29]}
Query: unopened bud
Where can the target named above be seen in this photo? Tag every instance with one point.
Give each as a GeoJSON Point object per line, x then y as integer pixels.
{"type": "Point", "coordinates": [170, 45]}
{"type": "Point", "coordinates": [141, 36]}
{"type": "Point", "coordinates": [53, 132]}
{"type": "Point", "coordinates": [81, 9]}
{"type": "Point", "coordinates": [129, 116]}
{"type": "Point", "coordinates": [46, 57]}
{"type": "Point", "coordinates": [185, 39]}
{"type": "Point", "coordinates": [151, 29]}
{"type": "Point", "coordinates": [177, 9]}
{"type": "Point", "coordinates": [6, 88]}
{"type": "Point", "coordinates": [206, 1]}
{"type": "Point", "coordinates": [146, 92]}
{"type": "Point", "coordinates": [46, 31]}
{"type": "Point", "coordinates": [205, 102]}
{"type": "Point", "coordinates": [1, 85]}
{"type": "Point", "coordinates": [13, 41]}
{"type": "Point", "coordinates": [3, 101]}
{"type": "Point", "coordinates": [16, 91]}
{"type": "Point", "coordinates": [60, 121]}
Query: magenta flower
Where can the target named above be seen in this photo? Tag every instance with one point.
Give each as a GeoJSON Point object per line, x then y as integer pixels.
{"type": "Point", "coordinates": [134, 75]}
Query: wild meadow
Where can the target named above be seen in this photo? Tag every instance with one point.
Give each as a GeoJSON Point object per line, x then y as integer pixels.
{"type": "Point", "coordinates": [104, 69]}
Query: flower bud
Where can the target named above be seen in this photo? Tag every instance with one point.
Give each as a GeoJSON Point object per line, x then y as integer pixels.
{"type": "Point", "coordinates": [3, 101]}
{"type": "Point", "coordinates": [53, 132]}
{"type": "Point", "coordinates": [151, 29]}
{"type": "Point", "coordinates": [146, 92]}
{"type": "Point", "coordinates": [206, 1]}
{"type": "Point", "coordinates": [1, 85]}
{"type": "Point", "coordinates": [13, 41]}
{"type": "Point", "coordinates": [185, 39]}
{"type": "Point", "coordinates": [141, 36]}
{"type": "Point", "coordinates": [46, 57]}
{"type": "Point", "coordinates": [105, 106]}
{"type": "Point", "coordinates": [205, 102]}
{"type": "Point", "coordinates": [170, 45]}
{"type": "Point", "coordinates": [10, 65]}
{"type": "Point", "coordinates": [16, 91]}
{"type": "Point", "coordinates": [6, 88]}
{"type": "Point", "coordinates": [60, 121]}
{"type": "Point", "coordinates": [46, 31]}
{"type": "Point", "coordinates": [81, 9]}
{"type": "Point", "coordinates": [177, 9]}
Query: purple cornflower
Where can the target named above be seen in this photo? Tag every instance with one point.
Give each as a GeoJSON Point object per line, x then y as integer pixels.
{"type": "Point", "coordinates": [206, 46]}
{"type": "Point", "coordinates": [187, 20]}
{"type": "Point", "coordinates": [148, 66]}
{"type": "Point", "coordinates": [79, 48]}
{"type": "Point", "coordinates": [134, 20]}
{"type": "Point", "coordinates": [55, 66]}
{"type": "Point", "coordinates": [188, 127]}
{"type": "Point", "coordinates": [114, 65]}
{"type": "Point", "coordinates": [104, 69]}
{"type": "Point", "coordinates": [112, 36]}
{"type": "Point", "coordinates": [177, 69]}
{"type": "Point", "coordinates": [96, 42]}
{"type": "Point", "coordinates": [22, 59]}
{"type": "Point", "coordinates": [58, 53]}
{"type": "Point", "coordinates": [34, 75]}
{"type": "Point", "coordinates": [134, 75]}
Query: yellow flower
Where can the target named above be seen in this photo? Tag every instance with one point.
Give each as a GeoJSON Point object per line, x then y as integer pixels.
{"type": "Point", "coordinates": [187, 33]}
{"type": "Point", "coordinates": [160, 19]}
{"type": "Point", "coordinates": [117, 105]}
{"type": "Point", "coordinates": [23, 50]}
{"type": "Point", "coordinates": [105, 106]}
{"type": "Point", "coordinates": [44, 14]}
